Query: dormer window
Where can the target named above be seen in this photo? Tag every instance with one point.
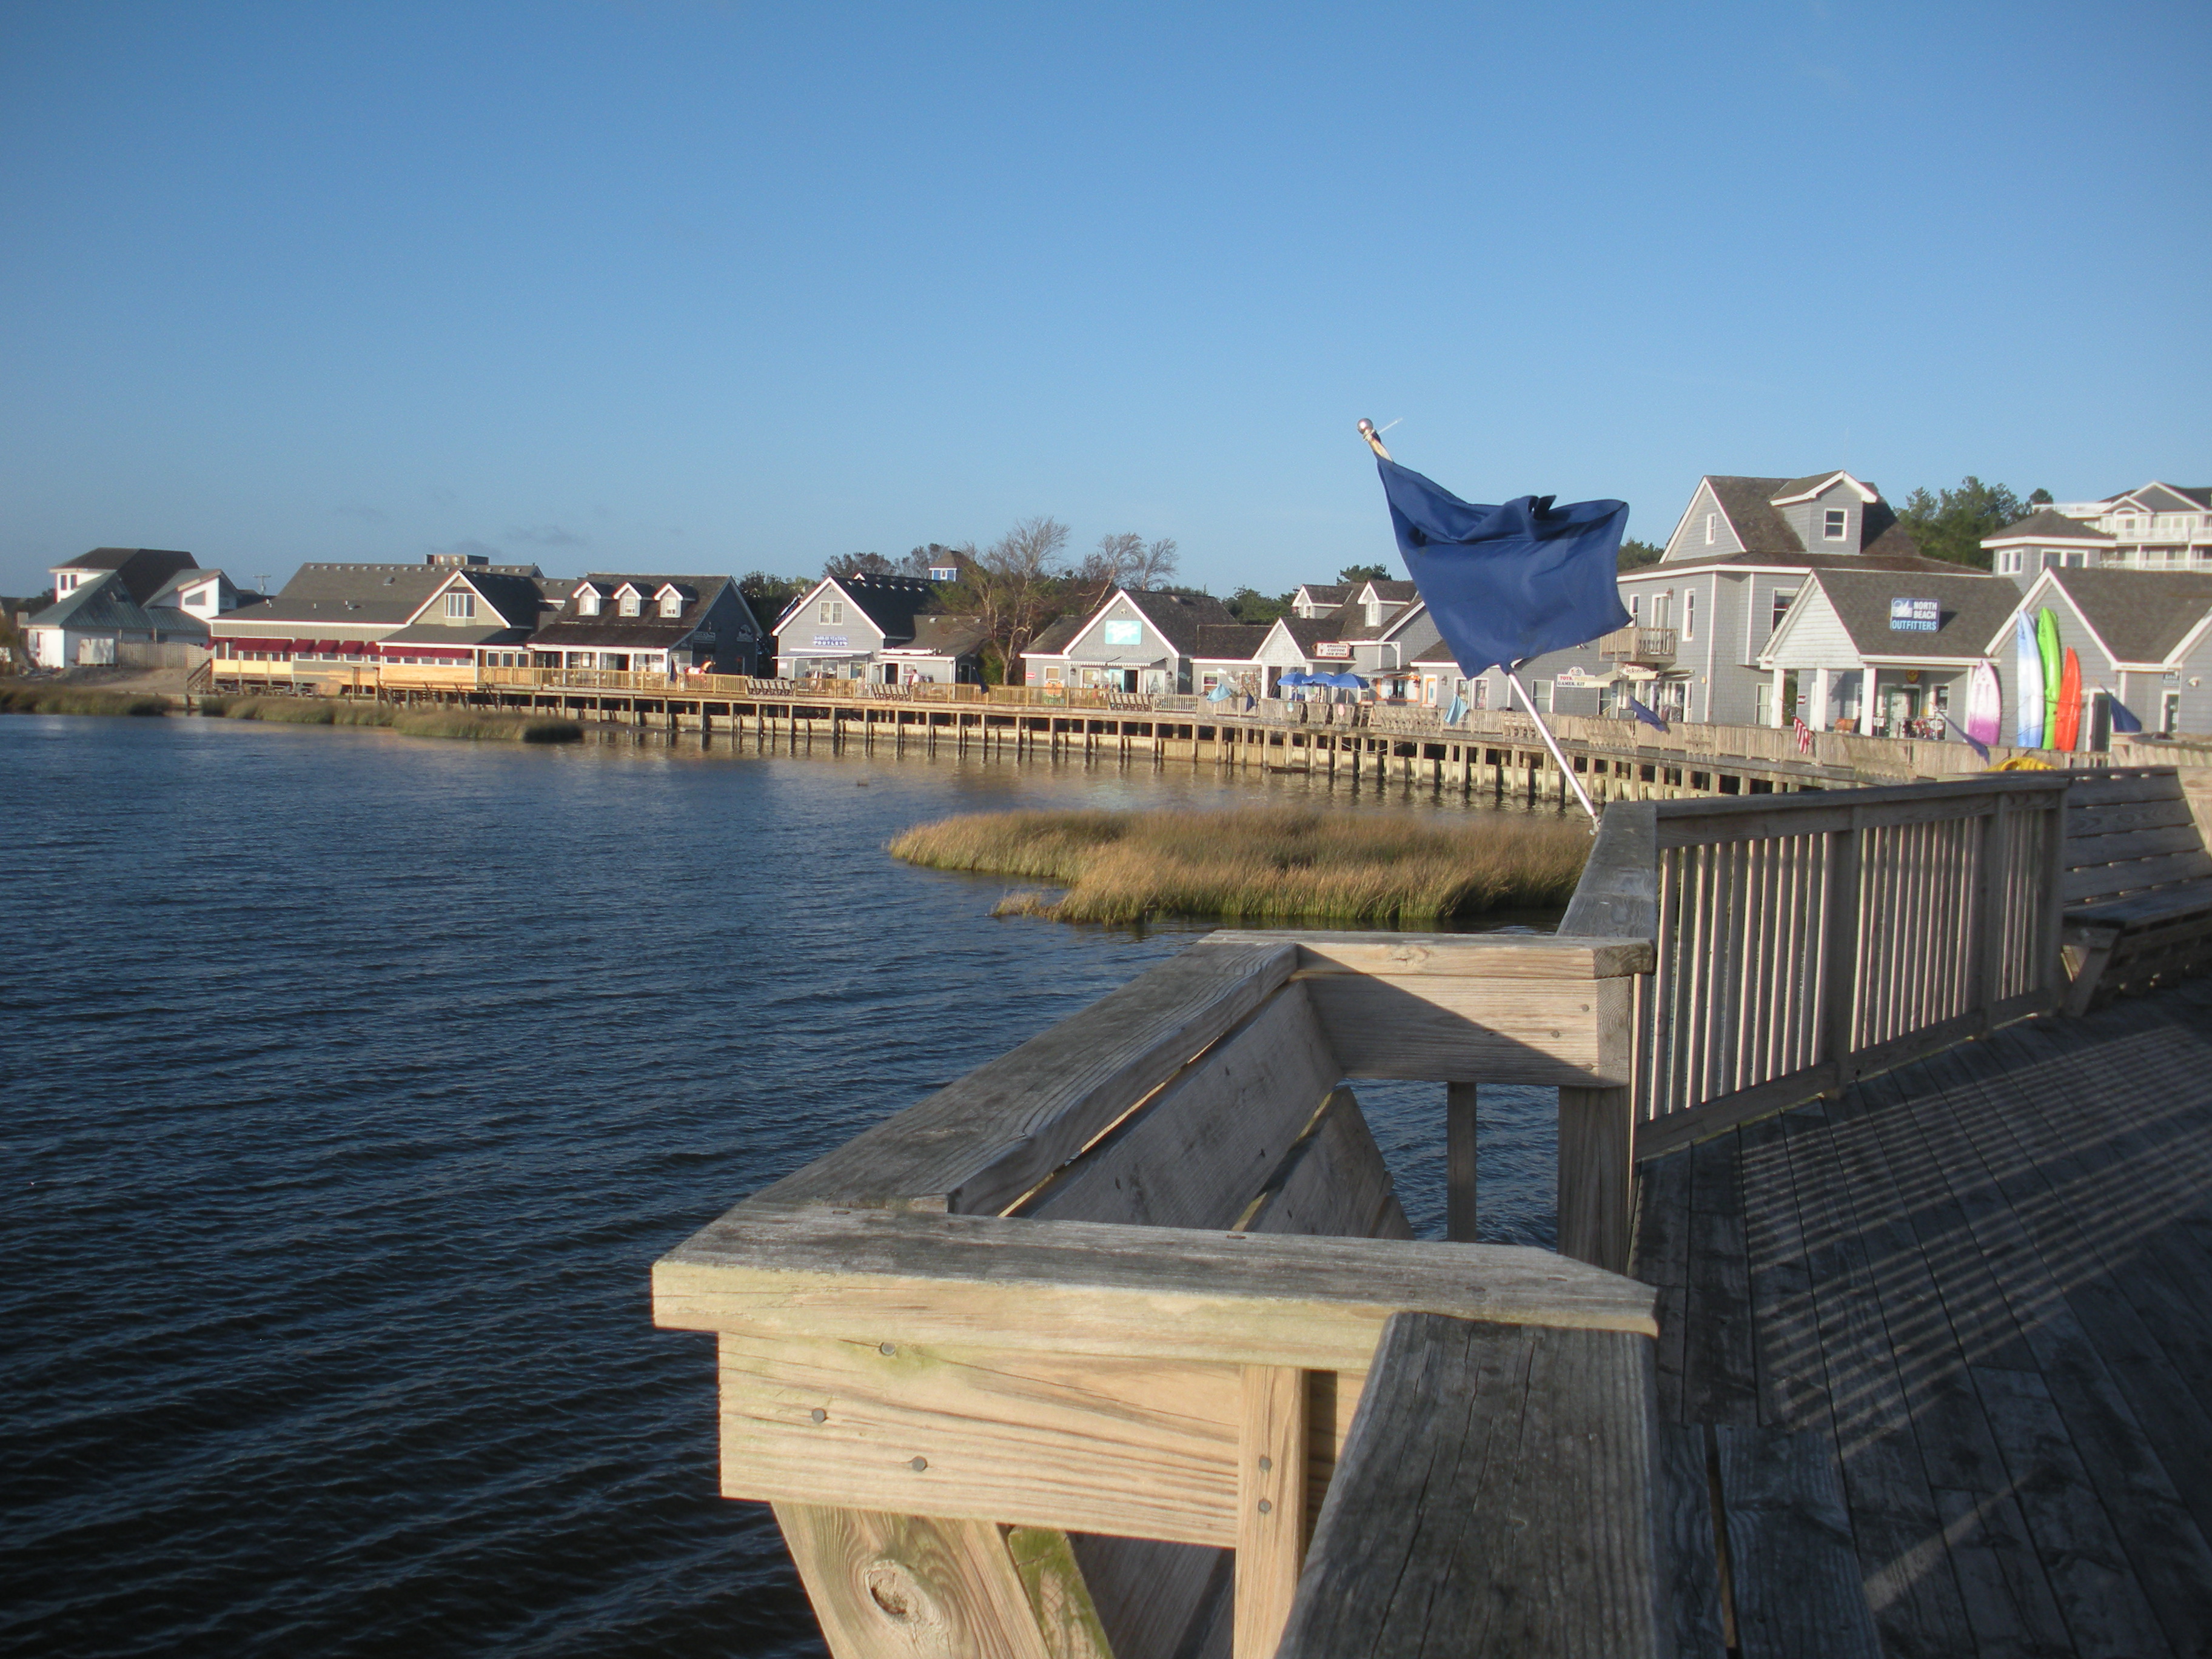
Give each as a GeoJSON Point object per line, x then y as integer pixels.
{"type": "Point", "coordinates": [628, 602]}
{"type": "Point", "coordinates": [460, 606]}
{"type": "Point", "coordinates": [672, 605]}
{"type": "Point", "coordinates": [1832, 524]}
{"type": "Point", "coordinates": [587, 603]}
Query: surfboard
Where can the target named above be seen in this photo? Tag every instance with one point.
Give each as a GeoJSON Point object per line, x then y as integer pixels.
{"type": "Point", "coordinates": [2046, 645]}
{"type": "Point", "coordinates": [2068, 718]}
{"type": "Point", "coordinates": [2029, 713]}
{"type": "Point", "coordinates": [1985, 704]}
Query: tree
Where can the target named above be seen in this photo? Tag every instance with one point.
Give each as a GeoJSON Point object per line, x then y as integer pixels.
{"type": "Point", "coordinates": [1248, 604]}
{"type": "Point", "coordinates": [1356, 574]}
{"type": "Point", "coordinates": [1124, 560]}
{"type": "Point", "coordinates": [1016, 583]}
{"type": "Point", "coordinates": [858, 564]}
{"type": "Point", "coordinates": [1950, 523]}
{"type": "Point", "coordinates": [1635, 555]}
{"type": "Point", "coordinates": [2041, 497]}
{"type": "Point", "coordinates": [771, 595]}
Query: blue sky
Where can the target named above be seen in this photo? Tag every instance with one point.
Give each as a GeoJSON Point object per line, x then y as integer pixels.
{"type": "Point", "coordinates": [716, 287]}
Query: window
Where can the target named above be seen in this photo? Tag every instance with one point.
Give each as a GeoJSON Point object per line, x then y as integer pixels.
{"type": "Point", "coordinates": [587, 603]}
{"type": "Point", "coordinates": [1781, 609]}
{"type": "Point", "coordinates": [460, 607]}
{"type": "Point", "coordinates": [832, 611]}
{"type": "Point", "coordinates": [1635, 610]}
{"type": "Point", "coordinates": [2075, 561]}
{"type": "Point", "coordinates": [672, 605]}
{"type": "Point", "coordinates": [630, 604]}
{"type": "Point", "coordinates": [1833, 523]}
{"type": "Point", "coordinates": [1478, 695]}
{"type": "Point", "coordinates": [1542, 690]}
{"type": "Point", "coordinates": [945, 572]}
{"type": "Point", "coordinates": [1689, 616]}
{"type": "Point", "coordinates": [1711, 519]}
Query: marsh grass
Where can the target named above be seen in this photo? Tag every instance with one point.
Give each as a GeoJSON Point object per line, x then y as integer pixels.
{"type": "Point", "coordinates": [410, 722]}
{"type": "Point", "coordinates": [1261, 863]}
{"type": "Point", "coordinates": [68, 700]}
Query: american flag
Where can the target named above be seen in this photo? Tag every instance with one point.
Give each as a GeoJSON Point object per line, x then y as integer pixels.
{"type": "Point", "coordinates": [1804, 736]}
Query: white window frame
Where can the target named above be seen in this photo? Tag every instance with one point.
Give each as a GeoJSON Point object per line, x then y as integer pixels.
{"type": "Point", "coordinates": [1689, 614]}
{"type": "Point", "coordinates": [830, 611]}
{"type": "Point", "coordinates": [460, 606]}
{"type": "Point", "coordinates": [1835, 524]}
{"type": "Point", "coordinates": [629, 605]}
{"type": "Point", "coordinates": [1712, 520]}
{"type": "Point", "coordinates": [672, 605]}
{"type": "Point", "coordinates": [1781, 609]}
{"type": "Point", "coordinates": [587, 603]}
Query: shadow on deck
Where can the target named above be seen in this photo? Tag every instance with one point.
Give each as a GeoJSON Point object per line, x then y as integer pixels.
{"type": "Point", "coordinates": [1951, 1335]}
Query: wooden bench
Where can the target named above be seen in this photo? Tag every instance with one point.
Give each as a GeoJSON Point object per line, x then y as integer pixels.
{"type": "Point", "coordinates": [2137, 886]}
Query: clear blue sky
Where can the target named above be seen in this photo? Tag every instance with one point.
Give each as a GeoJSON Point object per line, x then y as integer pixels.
{"type": "Point", "coordinates": [714, 288]}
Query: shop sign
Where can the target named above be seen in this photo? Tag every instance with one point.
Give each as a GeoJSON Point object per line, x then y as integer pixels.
{"type": "Point", "coordinates": [832, 641]}
{"type": "Point", "coordinates": [1573, 676]}
{"type": "Point", "coordinates": [1914, 615]}
{"type": "Point", "coordinates": [1333, 648]}
{"type": "Point", "coordinates": [1121, 632]}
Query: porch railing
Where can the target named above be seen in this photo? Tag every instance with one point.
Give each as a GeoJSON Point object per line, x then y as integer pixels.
{"type": "Point", "coordinates": [1803, 941]}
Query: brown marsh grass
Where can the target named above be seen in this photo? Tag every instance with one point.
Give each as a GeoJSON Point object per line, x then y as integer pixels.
{"type": "Point", "coordinates": [1261, 863]}
{"type": "Point", "coordinates": [69, 699]}
{"type": "Point", "coordinates": [410, 722]}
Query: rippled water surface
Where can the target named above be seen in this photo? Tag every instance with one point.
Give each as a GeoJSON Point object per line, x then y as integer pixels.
{"type": "Point", "coordinates": [354, 1082]}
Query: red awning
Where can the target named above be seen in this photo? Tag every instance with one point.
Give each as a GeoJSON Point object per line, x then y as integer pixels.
{"type": "Point", "coordinates": [326, 647]}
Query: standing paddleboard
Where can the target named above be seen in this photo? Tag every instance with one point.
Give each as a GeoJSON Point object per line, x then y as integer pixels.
{"type": "Point", "coordinates": [2046, 647]}
{"type": "Point", "coordinates": [2068, 719]}
{"type": "Point", "coordinates": [1985, 704]}
{"type": "Point", "coordinates": [2029, 657]}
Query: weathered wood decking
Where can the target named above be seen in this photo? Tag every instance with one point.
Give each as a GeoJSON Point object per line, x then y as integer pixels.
{"type": "Point", "coordinates": [1953, 1335]}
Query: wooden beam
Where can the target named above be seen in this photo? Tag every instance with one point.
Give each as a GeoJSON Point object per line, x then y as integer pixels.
{"type": "Point", "coordinates": [1271, 1505]}
{"type": "Point", "coordinates": [979, 1144]}
{"type": "Point", "coordinates": [1091, 1287]}
{"type": "Point", "coordinates": [902, 1587]}
{"type": "Point", "coordinates": [1597, 1176]}
{"type": "Point", "coordinates": [1543, 1031]}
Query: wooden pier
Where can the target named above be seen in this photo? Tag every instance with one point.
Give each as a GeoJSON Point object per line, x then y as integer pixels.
{"type": "Point", "coordinates": [1877, 1324]}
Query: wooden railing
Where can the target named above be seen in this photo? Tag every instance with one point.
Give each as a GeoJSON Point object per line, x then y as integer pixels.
{"type": "Point", "coordinates": [1121, 1289]}
{"type": "Point", "coordinates": [1634, 644]}
{"type": "Point", "coordinates": [1805, 940]}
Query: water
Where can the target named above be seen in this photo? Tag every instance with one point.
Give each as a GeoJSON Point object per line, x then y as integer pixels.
{"type": "Point", "coordinates": [354, 1082]}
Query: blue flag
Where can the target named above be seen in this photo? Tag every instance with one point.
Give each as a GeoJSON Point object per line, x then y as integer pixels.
{"type": "Point", "coordinates": [1457, 712]}
{"type": "Point", "coordinates": [2124, 718]}
{"type": "Point", "coordinates": [1511, 582]}
{"type": "Point", "coordinates": [1222, 692]}
{"type": "Point", "coordinates": [1645, 714]}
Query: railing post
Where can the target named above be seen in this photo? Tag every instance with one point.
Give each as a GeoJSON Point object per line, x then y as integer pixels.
{"type": "Point", "coordinates": [1989, 914]}
{"type": "Point", "coordinates": [2050, 966]}
{"type": "Point", "coordinates": [1459, 1162]}
{"type": "Point", "coordinates": [1597, 1174]}
{"type": "Point", "coordinates": [1841, 945]}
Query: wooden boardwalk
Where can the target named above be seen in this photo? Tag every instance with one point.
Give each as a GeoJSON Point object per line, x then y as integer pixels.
{"type": "Point", "coordinates": [1948, 1341]}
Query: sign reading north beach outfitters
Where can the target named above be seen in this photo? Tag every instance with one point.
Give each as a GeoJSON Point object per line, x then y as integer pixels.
{"type": "Point", "coordinates": [1914, 615]}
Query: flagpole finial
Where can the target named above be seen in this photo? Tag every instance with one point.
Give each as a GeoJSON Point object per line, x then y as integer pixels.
{"type": "Point", "coordinates": [1374, 438]}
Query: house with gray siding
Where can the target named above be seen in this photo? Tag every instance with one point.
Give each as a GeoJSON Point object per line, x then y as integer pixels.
{"type": "Point", "coordinates": [1702, 616]}
{"type": "Point", "coordinates": [646, 624]}
{"type": "Point", "coordinates": [1882, 651]}
{"type": "Point", "coordinates": [2047, 539]}
{"type": "Point", "coordinates": [2144, 638]}
{"type": "Point", "coordinates": [340, 611]}
{"type": "Point", "coordinates": [844, 627]}
{"type": "Point", "coordinates": [2161, 527]}
{"type": "Point", "coordinates": [1138, 640]}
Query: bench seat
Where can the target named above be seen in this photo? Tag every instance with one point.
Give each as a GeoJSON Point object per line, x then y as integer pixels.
{"type": "Point", "coordinates": [2137, 886]}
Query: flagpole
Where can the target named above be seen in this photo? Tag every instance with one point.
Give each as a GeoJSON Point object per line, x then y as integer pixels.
{"type": "Point", "coordinates": [1513, 680]}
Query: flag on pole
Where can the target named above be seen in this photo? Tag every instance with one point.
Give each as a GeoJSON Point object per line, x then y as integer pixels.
{"type": "Point", "coordinates": [1457, 712]}
{"type": "Point", "coordinates": [1645, 714]}
{"type": "Point", "coordinates": [2123, 718]}
{"type": "Point", "coordinates": [1507, 583]}
{"type": "Point", "coordinates": [1804, 736]}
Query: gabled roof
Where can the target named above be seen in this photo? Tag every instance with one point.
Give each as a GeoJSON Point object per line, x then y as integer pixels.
{"type": "Point", "coordinates": [646, 631]}
{"type": "Point", "coordinates": [945, 636]}
{"type": "Point", "coordinates": [2139, 616]}
{"type": "Point", "coordinates": [1176, 617]}
{"type": "Point", "coordinates": [103, 602]}
{"type": "Point", "coordinates": [2157, 497]}
{"type": "Point", "coordinates": [2044, 525]}
{"type": "Point", "coordinates": [143, 569]}
{"type": "Point", "coordinates": [371, 595]}
{"type": "Point", "coordinates": [1970, 607]}
{"type": "Point", "coordinates": [1331, 594]}
{"type": "Point", "coordinates": [1230, 641]}
{"type": "Point", "coordinates": [1054, 641]}
{"type": "Point", "coordinates": [1304, 632]}
{"type": "Point", "coordinates": [1390, 591]}
{"type": "Point", "coordinates": [1814, 485]}
{"type": "Point", "coordinates": [891, 602]}
{"type": "Point", "coordinates": [1887, 554]}
{"type": "Point", "coordinates": [515, 600]}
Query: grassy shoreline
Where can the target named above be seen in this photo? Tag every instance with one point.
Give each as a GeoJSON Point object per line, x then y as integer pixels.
{"type": "Point", "coordinates": [1260, 863]}
{"type": "Point", "coordinates": [429, 722]}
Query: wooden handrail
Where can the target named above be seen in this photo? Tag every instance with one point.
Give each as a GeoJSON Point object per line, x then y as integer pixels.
{"type": "Point", "coordinates": [1804, 940]}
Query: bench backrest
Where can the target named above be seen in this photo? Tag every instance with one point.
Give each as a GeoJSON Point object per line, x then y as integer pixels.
{"type": "Point", "coordinates": [2129, 829]}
